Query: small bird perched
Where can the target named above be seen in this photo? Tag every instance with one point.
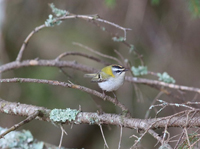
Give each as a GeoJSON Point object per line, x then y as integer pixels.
{"type": "Point", "coordinates": [110, 78]}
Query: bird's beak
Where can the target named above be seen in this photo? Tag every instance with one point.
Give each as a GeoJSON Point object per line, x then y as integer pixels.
{"type": "Point", "coordinates": [126, 69]}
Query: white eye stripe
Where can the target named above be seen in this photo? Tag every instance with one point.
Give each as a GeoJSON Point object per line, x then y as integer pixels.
{"type": "Point", "coordinates": [117, 69]}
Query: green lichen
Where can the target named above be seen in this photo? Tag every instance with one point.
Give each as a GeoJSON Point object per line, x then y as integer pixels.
{"type": "Point", "coordinates": [141, 70]}
{"type": "Point", "coordinates": [58, 12]}
{"type": "Point", "coordinates": [6, 110]}
{"type": "Point", "coordinates": [93, 120]}
{"type": "Point", "coordinates": [3, 105]}
{"type": "Point", "coordinates": [18, 80]}
{"type": "Point", "coordinates": [51, 21]}
{"type": "Point", "coordinates": [15, 111]}
{"type": "Point", "coordinates": [22, 140]}
{"type": "Point", "coordinates": [103, 28]}
{"type": "Point", "coordinates": [165, 78]}
{"type": "Point", "coordinates": [118, 39]}
{"type": "Point", "coordinates": [63, 115]}
{"type": "Point", "coordinates": [131, 48]}
{"type": "Point", "coordinates": [17, 139]}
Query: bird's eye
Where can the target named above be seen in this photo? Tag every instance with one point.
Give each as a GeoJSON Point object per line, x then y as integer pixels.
{"type": "Point", "coordinates": [118, 71]}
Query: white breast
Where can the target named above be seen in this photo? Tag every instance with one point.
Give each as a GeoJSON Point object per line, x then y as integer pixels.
{"type": "Point", "coordinates": [112, 84]}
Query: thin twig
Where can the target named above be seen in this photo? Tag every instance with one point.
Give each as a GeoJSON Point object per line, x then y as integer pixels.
{"type": "Point", "coordinates": [98, 53]}
{"type": "Point", "coordinates": [81, 54]}
{"type": "Point", "coordinates": [19, 56]}
{"type": "Point", "coordinates": [96, 18]}
{"type": "Point", "coordinates": [121, 57]}
{"type": "Point", "coordinates": [138, 93]}
{"type": "Point", "coordinates": [148, 129]}
{"type": "Point", "coordinates": [134, 136]}
{"type": "Point", "coordinates": [165, 104]}
{"type": "Point", "coordinates": [63, 130]}
{"type": "Point", "coordinates": [153, 102]}
{"type": "Point", "coordinates": [103, 136]}
{"type": "Point", "coordinates": [159, 83]}
{"type": "Point", "coordinates": [188, 140]}
{"type": "Point", "coordinates": [179, 140]}
{"type": "Point", "coordinates": [120, 137]}
{"type": "Point", "coordinates": [61, 139]}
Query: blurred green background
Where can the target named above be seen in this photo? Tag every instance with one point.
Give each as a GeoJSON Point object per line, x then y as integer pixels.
{"type": "Point", "coordinates": [166, 33]}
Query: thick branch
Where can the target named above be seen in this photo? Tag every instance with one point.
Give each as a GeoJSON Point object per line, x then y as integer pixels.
{"type": "Point", "coordinates": [109, 119]}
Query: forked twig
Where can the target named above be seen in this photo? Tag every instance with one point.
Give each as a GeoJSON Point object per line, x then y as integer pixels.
{"type": "Point", "coordinates": [62, 134]}
{"type": "Point", "coordinates": [28, 119]}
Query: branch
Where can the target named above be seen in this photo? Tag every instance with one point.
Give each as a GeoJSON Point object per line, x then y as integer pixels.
{"type": "Point", "coordinates": [71, 16]}
{"type": "Point", "coordinates": [95, 18]}
{"type": "Point", "coordinates": [69, 85]}
{"type": "Point", "coordinates": [19, 56]}
{"type": "Point", "coordinates": [84, 68]}
{"type": "Point", "coordinates": [19, 109]}
{"type": "Point", "coordinates": [159, 83]}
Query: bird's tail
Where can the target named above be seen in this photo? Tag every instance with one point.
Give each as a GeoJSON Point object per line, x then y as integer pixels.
{"type": "Point", "coordinates": [92, 75]}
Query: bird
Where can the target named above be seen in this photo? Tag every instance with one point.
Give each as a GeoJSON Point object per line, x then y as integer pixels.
{"type": "Point", "coordinates": [110, 78]}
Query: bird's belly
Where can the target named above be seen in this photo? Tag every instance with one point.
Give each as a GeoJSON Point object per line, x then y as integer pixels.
{"type": "Point", "coordinates": [111, 85]}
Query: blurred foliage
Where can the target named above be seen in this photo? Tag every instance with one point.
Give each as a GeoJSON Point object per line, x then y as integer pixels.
{"type": "Point", "coordinates": [192, 138]}
{"type": "Point", "coordinates": [155, 2]}
{"type": "Point", "coordinates": [110, 3]}
{"type": "Point", "coordinates": [194, 7]}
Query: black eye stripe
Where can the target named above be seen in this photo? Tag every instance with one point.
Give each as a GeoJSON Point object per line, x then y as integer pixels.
{"type": "Point", "coordinates": [118, 71]}
{"type": "Point", "coordinates": [117, 67]}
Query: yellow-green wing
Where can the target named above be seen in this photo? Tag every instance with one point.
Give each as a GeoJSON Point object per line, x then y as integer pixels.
{"type": "Point", "coordinates": [97, 77]}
